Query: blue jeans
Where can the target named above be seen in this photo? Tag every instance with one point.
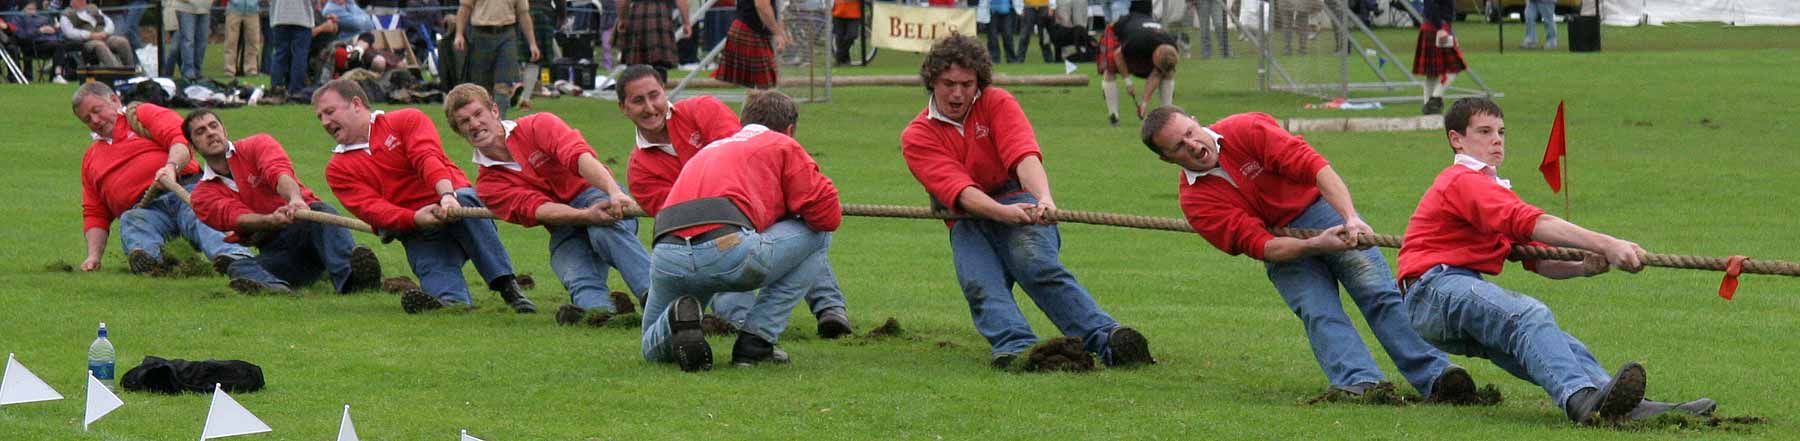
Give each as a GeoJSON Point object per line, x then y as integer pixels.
{"type": "Point", "coordinates": [990, 257]}
{"type": "Point", "coordinates": [299, 253]}
{"type": "Point", "coordinates": [190, 42]}
{"type": "Point", "coordinates": [128, 22]}
{"type": "Point", "coordinates": [437, 254]}
{"type": "Point", "coordinates": [1453, 308]}
{"type": "Point", "coordinates": [288, 68]}
{"type": "Point", "coordinates": [581, 256]}
{"type": "Point", "coordinates": [1117, 9]}
{"type": "Point", "coordinates": [149, 227]}
{"type": "Point", "coordinates": [1309, 285]}
{"type": "Point", "coordinates": [734, 307]}
{"type": "Point", "coordinates": [1540, 11]}
{"type": "Point", "coordinates": [784, 260]}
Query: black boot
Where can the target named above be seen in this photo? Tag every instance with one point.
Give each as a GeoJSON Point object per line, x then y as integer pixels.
{"type": "Point", "coordinates": [509, 290]}
{"type": "Point", "coordinates": [1613, 402]}
{"type": "Point", "coordinates": [751, 350]}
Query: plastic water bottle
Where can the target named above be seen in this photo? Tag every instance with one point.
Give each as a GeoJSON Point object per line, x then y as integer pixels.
{"type": "Point", "coordinates": [101, 359]}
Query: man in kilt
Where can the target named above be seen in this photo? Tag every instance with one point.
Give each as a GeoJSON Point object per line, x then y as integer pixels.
{"type": "Point", "coordinates": [646, 32]}
{"type": "Point", "coordinates": [1437, 55]}
{"type": "Point", "coordinates": [750, 47]}
{"type": "Point", "coordinates": [1138, 45]}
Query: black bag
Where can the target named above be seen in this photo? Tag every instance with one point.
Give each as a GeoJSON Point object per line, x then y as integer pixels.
{"type": "Point", "coordinates": [176, 376]}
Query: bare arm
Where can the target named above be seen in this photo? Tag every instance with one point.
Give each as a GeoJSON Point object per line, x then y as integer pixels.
{"type": "Point", "coordinates": [551, 213]}
{"type": "Point", "coordinates": [765, 9]}
{"type": "Point", "coordinates": [1282, 249]}
{"type": "Point", "coordinates": [289, 189]}
{"type": "Point", "coordinates": [1031, 176]}
{"type": "Point", "coordinates": [1332, 188]}
{"type": "Point", "coordinates": [1618, 253]}
{"type": "Point", "coordinates": [975, 202]}
{"type": "Point", "coordinates": [460, 26]}
{"type": "Point", "coordinates": [525, 24]}
{"type": "Point", "coordinates": [96, 246]}
{"type": "Point", "coordinates": [597, 176]}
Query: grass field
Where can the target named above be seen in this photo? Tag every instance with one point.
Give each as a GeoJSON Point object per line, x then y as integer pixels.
{"type": "Point", "coordinates": [1682, 139]}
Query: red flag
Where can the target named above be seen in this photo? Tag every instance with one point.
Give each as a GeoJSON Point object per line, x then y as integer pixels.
{"type": "Point", "coordinates": [1553, 153]}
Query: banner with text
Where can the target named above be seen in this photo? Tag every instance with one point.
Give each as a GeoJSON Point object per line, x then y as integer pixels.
{"type": "Point", "coordinates": [913, 28]}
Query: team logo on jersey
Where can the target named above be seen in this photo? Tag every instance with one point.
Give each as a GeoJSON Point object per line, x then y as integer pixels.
{"type": "Point", "coordinates": [537, 159]}
{"type": "Point", "coordinates": [694, 138]}
{"type": "Point", "coordinates": [1251, 170]}
{"type": "Point", "coordinates": [391, 142]}
{"type": "Point", "coordinates": [981, 131]}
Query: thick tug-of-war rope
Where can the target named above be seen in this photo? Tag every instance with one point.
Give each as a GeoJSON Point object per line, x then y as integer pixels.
{"type": "Point", "coordinates": [1519, 252]}
{"type": "Point", "coordinates": [308, 215]}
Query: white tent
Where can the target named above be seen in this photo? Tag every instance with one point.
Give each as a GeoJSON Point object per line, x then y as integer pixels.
{"type": "Point", "coordinates": [1734, 12]}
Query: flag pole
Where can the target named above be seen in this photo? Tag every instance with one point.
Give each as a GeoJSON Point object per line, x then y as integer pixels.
{"type": "Point", "coordinates": [1567, 214]}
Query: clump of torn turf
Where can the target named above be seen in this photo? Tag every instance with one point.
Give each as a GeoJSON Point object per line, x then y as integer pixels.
{"type": "Point", "coordinates": [525, 281]}
{"type": "Point", "coordinates": [1059, 354]}
{"type": "Point", "coordinates": [629, 320]}
{"type": "Point", "coordinates": [622, 303]}
{"type": "Point", "coordinates": [1682, 422]}
{"type": "Point", "coordinates": [59, 267]}
{"type": "Point", "coordinates": [711, 324]}
{"type": "Point", "coordinates": [396, 285]}
{"type": "Point", "coordinates": [193, 266]}
{"type": "Point", "coordinates": [890, 329]}
{"type": "Point", "coordinates": [1387, 394]}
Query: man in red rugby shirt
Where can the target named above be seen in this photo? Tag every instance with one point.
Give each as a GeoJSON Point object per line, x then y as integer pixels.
{"type": "Point", "coordinates": [121, 164]}
{"type": "Point", "coordinates": [1245, 174]}
{"type": "Point", "coordinates": [749, 211]}
{"type": "Point", "coordinates": [248, 189]}
{"type": "Point", "coordinates": [389, 169]}
{"type": "Point", "coordinates": [667, 137]}
{"type": "Point", "coordinates": [976, 154]}
{"type": "Point", "coordinates": [538, 170]}
{"type": "Point", "coordinates": [1465, 225]}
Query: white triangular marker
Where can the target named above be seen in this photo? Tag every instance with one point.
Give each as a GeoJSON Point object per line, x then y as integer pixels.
{"type": "Point", "coordinates": [20, 386]}
{"type": "Point", "coordinates": [466, 437]}
{"type": "Point", "coordinates": [1069, 67]}
{"type": "Point", "coordinates": [347, 431]}
{"type": "Point", "coordinates": [228, 418]}
{"type": "Point", "coordinates": [100, 401]}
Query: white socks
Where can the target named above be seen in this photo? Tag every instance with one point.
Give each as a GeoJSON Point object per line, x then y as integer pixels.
{"type": "Point", "coordinates": [1110, 87]}
{"type": "Point", "coordinates": [1168, 92]}
{"type": "Point", "coordinates": [531, 82]}
{"type": "Point", "coordinates": [1439, 92]}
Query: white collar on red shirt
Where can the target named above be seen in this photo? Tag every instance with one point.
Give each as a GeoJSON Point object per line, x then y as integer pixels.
{"type": "Point", "coordinates": [1483, 167]}
{"type": "Point", "coordinates": [931, 109]}
{"type": "Point", "coordinates": [1217, 170]}
{"type": "Point", "coordinates": [484, 161]}
{"type": "Point", "coordinates": [364, 146]}
{"type": "Point", "coordinates": [206, 173]}
{"type": "Point", "coordinates": [667, 147]}
{"type": "Point", "coordinates": [108, 139]}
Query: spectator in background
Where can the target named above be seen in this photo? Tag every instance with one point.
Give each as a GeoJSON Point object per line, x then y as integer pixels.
{"type": "Point", "coordinates": [1211, 20]}
{"type": "Point", "coordinates": [291, 29]}
{"type": "Point", "coordinates": [1437, 55]}
{"type": "Point", "coordinates": [756, 36]}
{"type": "Point", "coordinates": [646, 32]}
{"type": "Point", "coordinates": [487, 31]}
{"type": "Point", "coordinates": [84, 23]}
{"type": "Point", "coordinates": [544, 14]}
{"type": "Point", "coordinates": [128, 21]}
{"type": "Point", "coordinates": [351, 19]}
{"type": "Point", "coordinates": [1032, 20]}
{"type": "Point", "coordinates": [846, 26]}
{"type": "Point", "coordinates": [1002, 23]}
{"type": "Point", "coordinates": [243, 23]}
{"type": "Point", "coordinates": [37, 35]}
{"type": "Point", "coordinates": [716, 23]}
{"type": "Point", "coordinates": [1540, 11]}
{"type": "Point", "coordinates": [190, 36]}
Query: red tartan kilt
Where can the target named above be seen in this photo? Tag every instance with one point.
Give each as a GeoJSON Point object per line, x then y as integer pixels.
{"type": "Point", "coordinates": [647, 35]}
{"type": "Point", "coordinates": [1109, 45]}
{"type": "Point", "coordinates": [1430, 60]}
{"type": "Point", "coordinates": [748, 58]}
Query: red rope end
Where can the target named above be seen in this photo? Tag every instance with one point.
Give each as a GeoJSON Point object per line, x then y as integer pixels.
{"type": "Point", "coordinates": [1733, 267]}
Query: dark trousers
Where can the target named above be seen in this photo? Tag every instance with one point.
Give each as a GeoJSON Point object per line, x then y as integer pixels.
{"type": "Point", "coordinates": [1031, 25]}
{"type": "Point", "coordinates": [288, 68]}
{"type": "Point", "coordinates": [1001, 28]}
{"type": "Point", "coordinates": [844, 32]}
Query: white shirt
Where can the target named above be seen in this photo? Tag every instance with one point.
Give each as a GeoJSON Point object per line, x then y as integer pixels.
{"type": "Point", "coordinates": [1216, 170]}
{"type": "Point", "coordinates": [645, 143]}
{"type": "Point", "coordinates": [932, 112]}
{"type": "Point", "coordinates": [206, 173]}
{"type": "Point", "coordinates": [1483, 167]}
{"type": "Point", "coordinates": [364, 146]}
{"type": "Point", "coordinates": [485, 161]}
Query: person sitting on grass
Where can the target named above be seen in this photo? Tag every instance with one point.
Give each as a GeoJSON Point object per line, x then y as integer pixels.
{"type": "Point", "coordinates": [976, 155]}
{"type": "Point", "coordinates": [1244, 174]}
{"type": "Point", "coordinates": [1465, 226]}
{"type": "Point", "coordinates": [537, 170]}
{"type": "Point", "coordinates": [751, 211]}
{"type": "Point", "coordinates": [117, 169]}
{"type": "Point", "coordinates": [248, 189]}
{"type": "Point", "coordinates": [389, 170]}
{"type": "Point", "coordinates": [667, 137]}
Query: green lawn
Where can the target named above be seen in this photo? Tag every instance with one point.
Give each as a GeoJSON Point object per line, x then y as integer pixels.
{"type": "Point", "coordinates": [1681, 139]}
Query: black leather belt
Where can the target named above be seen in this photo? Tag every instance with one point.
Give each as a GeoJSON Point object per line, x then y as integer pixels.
{"type": "Point", "coordinates": [703, 237]}
{"type": "Point", "coordinates": [492, 29]}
